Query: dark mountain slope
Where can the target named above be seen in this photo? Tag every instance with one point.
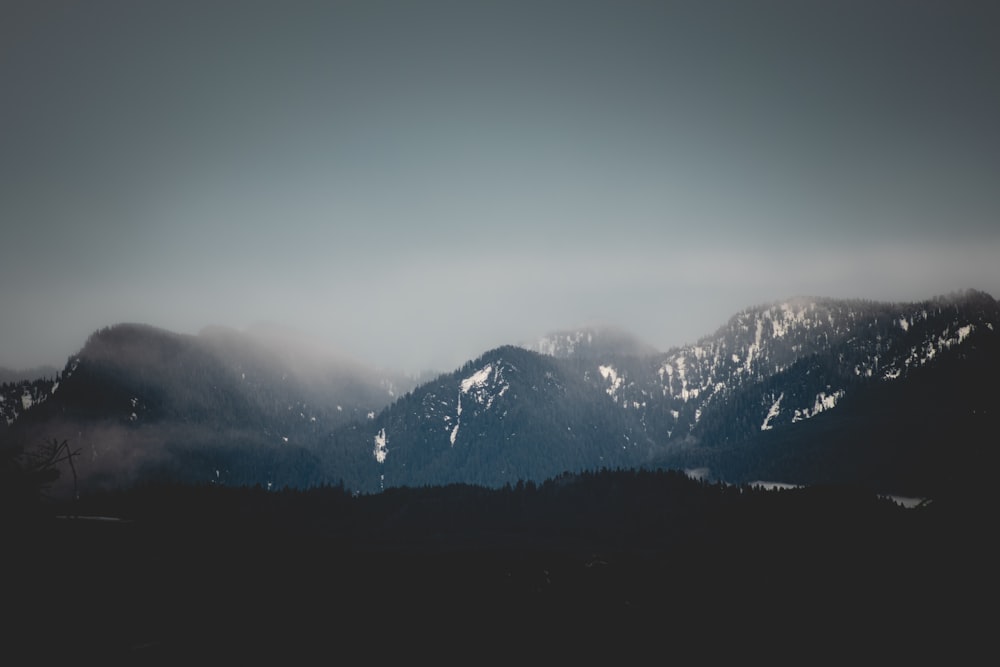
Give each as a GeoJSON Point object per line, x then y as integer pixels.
{"type": "Point", "coordinates": [930, 433]}
{"type": "Point", "coordinates": [510, 415]}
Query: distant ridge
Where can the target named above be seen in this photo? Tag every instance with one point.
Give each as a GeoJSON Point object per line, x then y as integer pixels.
{"type": "Point", "coordinates": [27, 374]}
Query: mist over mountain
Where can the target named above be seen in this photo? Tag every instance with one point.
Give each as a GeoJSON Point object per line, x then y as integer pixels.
{"type": "Point", "coordinates": [627, 238]}
{"type": "Point", "coordinates": [227, 407]}
{"type": "Point", "coordinates": [10, 375]}
{"type": "Point", "coordinates": [806, 390]}
{"type": "Point", "coordinates": [591, 343]}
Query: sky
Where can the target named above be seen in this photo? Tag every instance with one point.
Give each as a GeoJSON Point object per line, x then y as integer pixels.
{"type": "Point", "coordinates": [414, 183]}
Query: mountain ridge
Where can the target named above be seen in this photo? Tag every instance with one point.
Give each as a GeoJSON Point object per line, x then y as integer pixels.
{"type": "Point", "coordinates": [222, 407]}
{"type": "Point", "coordinates": [773, 366]}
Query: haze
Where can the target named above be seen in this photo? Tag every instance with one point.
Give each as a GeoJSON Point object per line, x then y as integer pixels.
{"type": "Point", "coordinates": [417, 182]}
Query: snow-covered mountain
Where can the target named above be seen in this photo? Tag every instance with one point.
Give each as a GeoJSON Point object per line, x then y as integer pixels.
{"type": "Point", "coordinates": [802, 391]}
{"type": "Point", "coordinates": [768, 370]}
{"type": "Point", "coordinates": [796, 358]}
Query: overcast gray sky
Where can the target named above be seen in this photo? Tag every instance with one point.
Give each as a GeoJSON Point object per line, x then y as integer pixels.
{"type": "Point", "coordinates": [416, 182]}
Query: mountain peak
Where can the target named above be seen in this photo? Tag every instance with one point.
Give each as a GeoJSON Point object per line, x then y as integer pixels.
{"type": "Point", "coordinates": [968, 297]}
{"type": "Point", "coordinates": [589, 343]}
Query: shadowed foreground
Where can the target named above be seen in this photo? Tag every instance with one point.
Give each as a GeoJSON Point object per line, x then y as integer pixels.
{"type": "Point", "coordinates": [614, 563]}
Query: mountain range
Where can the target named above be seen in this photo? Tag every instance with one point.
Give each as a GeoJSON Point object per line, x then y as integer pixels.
{"type": "Point", "coordinates": [898, 397]}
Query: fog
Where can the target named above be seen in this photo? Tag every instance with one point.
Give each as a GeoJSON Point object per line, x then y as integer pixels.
{"type": "Point", "coordinates": [414, 184]}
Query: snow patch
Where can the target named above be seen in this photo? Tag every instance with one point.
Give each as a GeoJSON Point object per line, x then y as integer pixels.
{"type": "Point", "coordinates": [380, 446]}
{"type": "Point", "coordinates": [611, 375]}
{"type": "Point", "coordinates": [921, 354]}
{"type": "Point", "coordinates": [906, 501]}
{"type": "Point", "coordinates": [774, 486]}
{"type": "Point", "coordinates": [477, 385]}
{"type": "Point", "coordinates": [666, 373]}
{"type": "Point", "coordinates": [823, 402]}
{"type": "Point", "coordinates": [562, 344]}
{"type": "Point", "coordinates": [477, 379]}
{"type": "Point", "coordinates": [479, 388]}
{"type": "Point", "coordinates": [772, 413]}
{"type": "Point", "coordinates": [754, 347]}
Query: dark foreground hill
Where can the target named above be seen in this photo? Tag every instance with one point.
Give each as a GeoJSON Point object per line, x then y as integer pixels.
{"type": "Point", "coordinates": [611, 566]}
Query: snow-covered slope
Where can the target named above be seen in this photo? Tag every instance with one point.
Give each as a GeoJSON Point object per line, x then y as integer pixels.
{"type": "Point", "coordinates": [792, 360]}
{"type": "Point", "coordinates": [16, 398]}
{"type": "Point", "coordinates": [509, 415]}
{"type": "Point", "coordinates": [769, 369]}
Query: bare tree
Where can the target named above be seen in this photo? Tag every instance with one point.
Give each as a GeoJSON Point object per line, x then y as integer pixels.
{"type": "Point", "coordinates": [30, 472]}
